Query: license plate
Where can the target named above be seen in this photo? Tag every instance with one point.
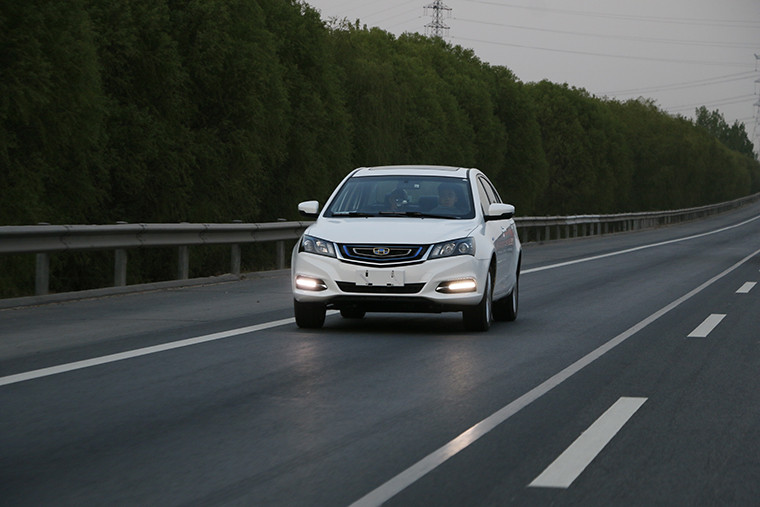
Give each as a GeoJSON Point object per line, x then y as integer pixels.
{"type": "Point", "coordinates": [383, 278]}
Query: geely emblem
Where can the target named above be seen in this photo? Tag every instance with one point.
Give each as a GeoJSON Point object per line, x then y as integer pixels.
{"type": "Point", "coordinates": [381, 250]}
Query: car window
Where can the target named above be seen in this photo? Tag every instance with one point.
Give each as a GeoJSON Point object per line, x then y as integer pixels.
{"type": "Point", "coordinates": [446, 197]}
{"type": "Point", "coordinates": [489, 190]}
{"type": "Point", "coordinates": [485, 200]}
{"type": "Point", "coordinates": [488, 194]}
{"type": "Point", "coordinates": [495, 192]}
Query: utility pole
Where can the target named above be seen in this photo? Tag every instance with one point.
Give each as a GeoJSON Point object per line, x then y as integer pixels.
{"type": "Point", "coordinates": [437, 28]}
{"type": "Point", "coordinates": [756, 129]}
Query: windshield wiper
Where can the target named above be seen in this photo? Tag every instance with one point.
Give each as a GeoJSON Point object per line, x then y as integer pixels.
{"type": "Point", "coordinates": [352, 214]}
{"type": "Point", "coordinates": [415, 214]}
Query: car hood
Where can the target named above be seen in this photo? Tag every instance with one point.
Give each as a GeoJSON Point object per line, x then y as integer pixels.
{"type": "Point", "coordinates": [390, 230]}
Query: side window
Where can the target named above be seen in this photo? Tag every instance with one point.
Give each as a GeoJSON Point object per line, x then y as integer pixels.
{"type": "Point", "coordinates": [488, 194]}
{"type": "Point", "coordinates": [492, 191]}
{"type": "Point", "coordinates": [483, 194]}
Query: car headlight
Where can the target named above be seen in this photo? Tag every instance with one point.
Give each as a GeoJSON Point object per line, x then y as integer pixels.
{"type": "Point", "coordinates": [317, 246]}
{"type": "Point", "coordinates": [464, 246]}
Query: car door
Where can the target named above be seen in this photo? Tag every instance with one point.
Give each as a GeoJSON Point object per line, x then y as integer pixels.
{"type": "Point", "coordinates": [502, 233]}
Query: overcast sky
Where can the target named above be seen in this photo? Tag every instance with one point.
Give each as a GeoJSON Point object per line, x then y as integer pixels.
{"type": "Point", "coordinates": [681, 53]}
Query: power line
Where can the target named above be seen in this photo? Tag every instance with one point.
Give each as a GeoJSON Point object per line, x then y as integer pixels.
{"type": "Point", "coordinates": [653, 19]}
{"type": "Point", "coordinates": [722, 102]}
{"type": "Point", "coordinates": [688, 84]}
{"type": "Point", "coordinates": [607, 55]}
{"type": "Point", "coordinates": [617, 37]}
{"type": "Point", "coordinates": [404, 13]}
{"type": "Point", "coordinates": [381, 11]}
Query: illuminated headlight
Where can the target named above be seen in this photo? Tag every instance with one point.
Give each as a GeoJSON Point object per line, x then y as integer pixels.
{"type": "Point", "coordinates": [457, 286]}
{"type": "Point", "coordinates": [307, 283]}
{"type": "Point", "coordinates": [317, 246]}
{"type": "Point", "coordinates": [464, 246]}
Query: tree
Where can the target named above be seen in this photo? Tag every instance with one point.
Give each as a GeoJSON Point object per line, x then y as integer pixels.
{"type": "Point", "coordinates": [148, 111]}
{"type": "Point", "coordinates": [239, 106]}
{"type": "Point", "coordinates": [734, 137]}
{"type": "Point", "coordinates": [318, 152]}
{"type": "Point", "coordinates": [51, 114]}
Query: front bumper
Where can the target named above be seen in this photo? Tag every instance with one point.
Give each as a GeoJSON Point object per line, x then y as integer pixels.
{"type": "Point", "coordinates": [408, 288]}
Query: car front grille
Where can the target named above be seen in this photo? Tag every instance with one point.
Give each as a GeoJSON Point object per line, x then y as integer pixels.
{"type": "Point", "coordinates": [410, 288]}
{"type": "Point", "coordinates": [383, 254]}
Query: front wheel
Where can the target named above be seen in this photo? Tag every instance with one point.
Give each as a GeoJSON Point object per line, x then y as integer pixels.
{"type": "Point", "coordinates": [479, 317]}
{"type": "Point", "coordinates": [309, 315]}
{"type": "Point", "coordinates": [505, 309]}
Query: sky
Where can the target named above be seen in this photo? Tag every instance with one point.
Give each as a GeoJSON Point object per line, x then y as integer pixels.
{"type": "Point", "coordinates": [680, 53]}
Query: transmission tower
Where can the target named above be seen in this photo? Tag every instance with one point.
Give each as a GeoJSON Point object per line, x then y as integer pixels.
{"type": "Point", "coordinates": [437, 28]}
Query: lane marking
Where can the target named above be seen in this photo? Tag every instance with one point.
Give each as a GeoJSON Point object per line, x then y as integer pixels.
{"type": "Point", "coordinates": [748, 286]}
{"type": "Point", "coordinates": [395, 485]}
{"type": "Point", "coordinates": [705, 328]}
{"type": "Point", "coordinates": [636, 249]}
{"type": "Point", "coordinates": [571, 463]}
{"type": "Point", "coordinates": [78, 365]}
{"type": "Point", "coordinates": [54, 370]}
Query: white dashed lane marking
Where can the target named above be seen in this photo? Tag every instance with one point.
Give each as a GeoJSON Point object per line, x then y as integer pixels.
{"type": "Point", "coordinates": [571, 463]}
{"type": "Point", "coordinates": [744, 289]}
{"type": "Point", "coordinates": [706, 327]}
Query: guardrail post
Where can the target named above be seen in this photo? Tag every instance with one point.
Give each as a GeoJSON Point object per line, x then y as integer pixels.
{"type": "Point", "coordinates": [42, 275]}
{"type": "Point", "coordinates": [280, 255]}
{"type": "Point", "coordinates": [120, 268]}
{"type": "Point", "coordinates": [235, 260]}
{"type": "Point", "coordinates": [281, 250]}
{"type": "Point", "coordinates": [183, 263]}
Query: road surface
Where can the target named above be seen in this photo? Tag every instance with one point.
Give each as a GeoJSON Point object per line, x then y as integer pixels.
{"type": "Point", "coordinates": [629, 378]}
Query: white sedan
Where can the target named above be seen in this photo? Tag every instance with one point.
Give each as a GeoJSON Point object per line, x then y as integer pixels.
{"type": "Point", "coordinates": [409, 239]}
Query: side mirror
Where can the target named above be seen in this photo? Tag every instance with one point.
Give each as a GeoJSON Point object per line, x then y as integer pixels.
{"type": "Point", "coordinates": [309, 209]}
{"type": "Point", "coordinates": [500, 211]}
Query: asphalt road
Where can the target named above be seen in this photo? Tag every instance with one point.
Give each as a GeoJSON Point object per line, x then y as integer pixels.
{"type": "Point", "coordinates": [629, 378]}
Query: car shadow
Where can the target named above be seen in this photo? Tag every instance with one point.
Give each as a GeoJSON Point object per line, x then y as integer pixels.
{"type": "Point", "coordinates": [435, 325]}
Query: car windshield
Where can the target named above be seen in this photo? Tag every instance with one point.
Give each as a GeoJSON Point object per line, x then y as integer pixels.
{"type": "Point", "coordinates": [402, 196]}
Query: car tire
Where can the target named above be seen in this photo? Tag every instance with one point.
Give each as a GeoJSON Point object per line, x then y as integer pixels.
{"type": "Point", "coordinates": [505, 309]}
{"type": "Point", "coordinates": [309, 315]}
{"type": "Point", "coordinates": [479, 317]}
{"type": "Point", "coordinates": [352, 313]}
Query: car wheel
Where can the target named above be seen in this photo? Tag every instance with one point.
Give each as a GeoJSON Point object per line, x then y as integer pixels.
{"type": "Point", "coordinates": [309, 315]}
{"type": "Point", "coordinates": [479, 317]}
{"type": "Point", "coordinates": [352, 313]}
{"type": "Point", "coordinates": [505, 309]}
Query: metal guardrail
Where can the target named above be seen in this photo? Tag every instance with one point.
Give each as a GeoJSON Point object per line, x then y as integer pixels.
{"type": "Point", "coordinates": [45, 239]}
{"type": "Point", "coordinates": [548, 228]}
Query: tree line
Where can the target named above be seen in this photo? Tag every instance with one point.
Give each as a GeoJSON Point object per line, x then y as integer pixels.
{"type": "Point", "coordinates": [213, 111]}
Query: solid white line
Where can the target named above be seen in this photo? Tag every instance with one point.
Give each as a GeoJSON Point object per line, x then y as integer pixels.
{"type": "Point", "coordinates": [706, 327]}
{"type": "Point", "coordinates": [78, 365]}
{"type": "Point", "coordinates": [636, 249]}
{"type": "Point", "coordinates": [96, 361]}
{"type": "Point", "coordinates": [395, 485]}
{"type": "Point", "coordinates": [748, 286]}
{"type": "Point", "coordinates": [569, 465]}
